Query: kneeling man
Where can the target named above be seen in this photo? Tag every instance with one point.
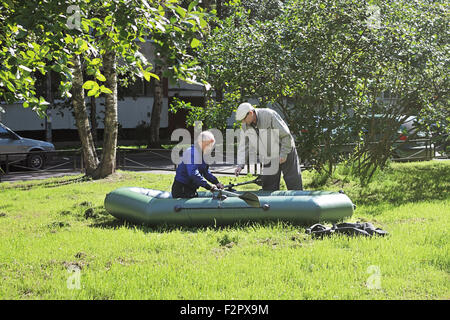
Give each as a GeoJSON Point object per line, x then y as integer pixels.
{"type": "Point", "coordinates": [193, 172]}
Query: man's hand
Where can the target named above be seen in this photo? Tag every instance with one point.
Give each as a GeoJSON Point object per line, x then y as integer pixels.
{"type": "Point", "coordinates": [220, 186]}
{"type": "Point", "coordinates": [237, 170]}
{"type": "Point", "coordinates": [213, 188]}
{"type": "Point", "coordinates": [282, 160]}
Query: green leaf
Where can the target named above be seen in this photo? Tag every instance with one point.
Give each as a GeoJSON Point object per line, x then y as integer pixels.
{"type": "Point", "coordinates": [89, 85]}
{"type": "Point", "coordinates": [31, 54]}
{"type": "Point", "coordinates": [57, 68]}
{"type": "Point", "coordinates": [36, 47]}
{"type": "Point", "coordinates": [108, 20]}
{"type": "Point", "coordinates": [95, 61]}
{"type": "Point", "coordinates": [85, 26]}
{"type": "Point", "coordinates": [192, 5]}
{"type": "Point", "coordinates": [42, 102]}
{"type": "Point", "coordinates": [195, 43]}
{"type": "Point", "coordinates": [161, 10]}
{"type": "Point", "coordinates": [99, 76]}
{"type": "Point", "coordinates": [181, 11]}
{"type": "Point", "coordinates": [10, 86]}
{"type": "Point", "coordinates": [90, 70]}
{"type": "Point", "coordinates": [146, 75]}
{"type": "Point", "coordinates": [97, 20]}
{"type": "Point", "coordinates": [82, 45]}
{"type": "Point", "coordinates": [155, 76]}
{"type": "Point", "coordinates": [203, 23]}
{"type": "Point", "coordinates": [68, 39]}
{"type": "Point", "coordinates": [92, 92]}
{"type": "Point", "coordinates": [105, 89]}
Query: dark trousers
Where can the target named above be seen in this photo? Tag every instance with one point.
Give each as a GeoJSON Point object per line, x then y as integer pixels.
{"type": "Point", "coordinates": [181, 190]}
{"type": "Point", "coordinates": [292, 174]}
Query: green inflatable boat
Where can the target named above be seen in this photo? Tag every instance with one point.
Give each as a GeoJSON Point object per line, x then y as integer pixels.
{"type": "Point", "coordinates": [154, 207]}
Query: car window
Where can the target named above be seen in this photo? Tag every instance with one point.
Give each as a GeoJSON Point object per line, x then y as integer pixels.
{"type": "Point", "coordinates": [5, 134]}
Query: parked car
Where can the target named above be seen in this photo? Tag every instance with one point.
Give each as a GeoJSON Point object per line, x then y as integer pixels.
{"type": "Point", "coordinates": [30, 152]}
{"type": "Point", "coordinates": [412, 143]}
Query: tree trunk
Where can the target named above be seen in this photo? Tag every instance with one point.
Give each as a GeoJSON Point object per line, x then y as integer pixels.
{"type": "Point", "coordinates": [219, 8]}
{"type": "Point", "coordinates": [155, 119]}
{"type": "Point", "coordinates": [108, 158]}
{"type": "Point", "coordinates": [93, 118]}
{"type": "Point", "coordinates": [48, 111]}
{"type": "Point", "coordinates": [219, 94]}
{"type": "Point", "coordinates": [82, 120]}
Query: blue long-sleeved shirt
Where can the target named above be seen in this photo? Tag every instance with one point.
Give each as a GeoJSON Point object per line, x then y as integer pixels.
{"type": "Point", "coordinates": [193, 170]}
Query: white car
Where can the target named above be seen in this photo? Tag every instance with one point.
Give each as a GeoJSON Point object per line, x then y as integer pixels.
{"type": "Point", "coordinates": [29, 151]}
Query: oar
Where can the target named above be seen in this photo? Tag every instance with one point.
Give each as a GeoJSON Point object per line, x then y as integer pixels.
{"type": "Point", "coordinates": [257, 181]}
{"type": "Point", "coordinates": [250, 198]}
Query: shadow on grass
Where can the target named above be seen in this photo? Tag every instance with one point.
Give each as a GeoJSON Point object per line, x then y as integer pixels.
{"type": "Point", "coordinates": [408, 183]}
{"type": "Point", "coordinates": [52, 183]}
{"type": "Point", "coordinates": [100, 218]}
{"type": "Point", "coordinates": [114, 223]}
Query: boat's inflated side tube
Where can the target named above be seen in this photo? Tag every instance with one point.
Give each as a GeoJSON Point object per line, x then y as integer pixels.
{"type": "Point", "coordinates": [154, 207]}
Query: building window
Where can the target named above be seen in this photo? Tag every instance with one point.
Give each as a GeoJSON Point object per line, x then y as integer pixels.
{"type": "Point", "coordinates": [138, 88]}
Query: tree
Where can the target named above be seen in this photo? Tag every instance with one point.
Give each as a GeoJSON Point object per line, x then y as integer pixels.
{"type": "Point", "coordinates": [97, 34]}
{"type": "Point", "coordinates": [409, 56]}
{"type": "Point", "coordinates": [324, 65]}
{"type": "Point", "coordinates": [173, 47]}
{"type": "Point", "coordinates": [19, 56]}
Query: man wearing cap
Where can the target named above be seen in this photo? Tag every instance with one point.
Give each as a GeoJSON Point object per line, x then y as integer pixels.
{"type": "Point", "coordinates": [193, 172]}
{"type": "Point", "coordinates": [269, 119]}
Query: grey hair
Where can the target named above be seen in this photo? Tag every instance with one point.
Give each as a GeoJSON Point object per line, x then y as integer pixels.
{"type": "Point", "coordinates": [205, 136]}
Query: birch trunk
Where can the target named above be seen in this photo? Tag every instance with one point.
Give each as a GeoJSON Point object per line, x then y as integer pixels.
{"type": "Point", "coordinates": [93, 117]}
{"type": "Point", "coordinates": [81, 119]}
{"type": "Point", "coordinates": [48, 112]}
{"type": "Point", "coordinates": [108, 157]}
{"type": "Point", "coordinates": [155, 120]}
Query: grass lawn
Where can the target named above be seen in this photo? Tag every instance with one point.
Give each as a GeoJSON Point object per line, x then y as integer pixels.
{"type": "Point", "coordinates": [57, 242]}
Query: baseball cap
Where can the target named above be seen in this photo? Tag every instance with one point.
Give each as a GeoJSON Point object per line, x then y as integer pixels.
{"type": "Point", "coordinates": [242, 110]}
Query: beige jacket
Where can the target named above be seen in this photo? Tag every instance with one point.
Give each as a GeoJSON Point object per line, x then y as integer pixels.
{"type": "Point", "coordinates": [266, 119]}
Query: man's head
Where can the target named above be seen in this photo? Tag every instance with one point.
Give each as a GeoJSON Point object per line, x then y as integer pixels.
{"type": "Point", "coordinates": [245, 113]}
{"type": "Point", "coordinates": [206, 141]}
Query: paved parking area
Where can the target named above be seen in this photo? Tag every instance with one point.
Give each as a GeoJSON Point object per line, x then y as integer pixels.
{"type": "Point", "coordinates": [167, 168]}
{"type": "Point", "coordinates": [23, 176]}
{"type": "Point", "coordinates": [220, 170]}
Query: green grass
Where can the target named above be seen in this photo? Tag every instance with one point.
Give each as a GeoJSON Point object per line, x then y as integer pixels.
{"type": "Point", "coordinates": [48, 228]}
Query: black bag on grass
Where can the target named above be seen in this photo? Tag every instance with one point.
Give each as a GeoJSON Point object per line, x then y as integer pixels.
{"type": "Point", "coordinates": [351, 229]}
